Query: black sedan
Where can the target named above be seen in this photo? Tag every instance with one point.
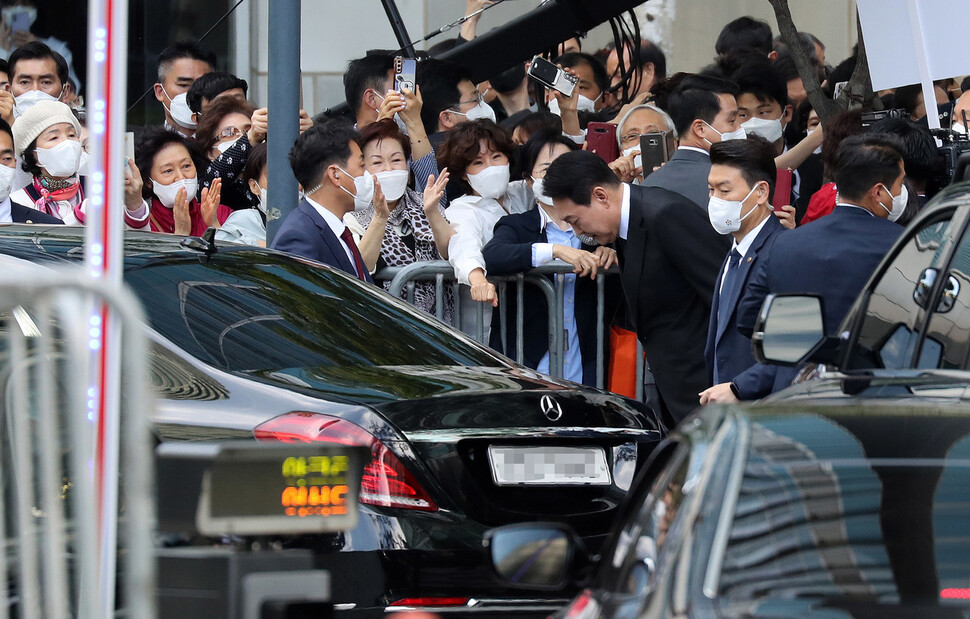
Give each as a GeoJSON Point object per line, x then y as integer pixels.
{"type": "Point", "coordinates": [250, 343]}
{"type": "Point", "coordinates": [853, 503]}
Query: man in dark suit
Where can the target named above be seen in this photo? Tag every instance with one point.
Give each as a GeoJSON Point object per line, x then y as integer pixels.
{"type": "Point", "coordinates": [742, 182]}
{"type": "Point", "coordinates": [327, 161]}
{"type": "Point", "coordinates": [836, 255]}
{"type": "Point", "coordinates": [669, 257]}
{"type": "Point", "coordinates": [704, 112]}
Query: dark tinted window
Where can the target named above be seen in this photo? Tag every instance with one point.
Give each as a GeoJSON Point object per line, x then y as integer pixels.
{"type": "Point", "coordinates": [268, 313]}
{"type": "Point", "coordinates": [832, 517]}
{"type": "Point", "coordinates": [888, 335]}
{"type": "Point", "coordinates": [948, 333]}
{"type": "Point", "coordinates": [636, 558]}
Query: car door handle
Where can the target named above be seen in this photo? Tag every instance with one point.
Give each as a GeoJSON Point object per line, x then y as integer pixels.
{"type": "Point", "coordinates": [949, 297]}
{"type": "Point", "coordinates": [921, 295]}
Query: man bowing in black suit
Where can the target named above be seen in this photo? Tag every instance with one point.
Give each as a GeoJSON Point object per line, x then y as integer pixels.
{"type": "Point", "coordinates": [669, 258]}
{"type": "Point", "coordinates": [742, 181]}
{"type": "Point", "coordinates": [328, 163]}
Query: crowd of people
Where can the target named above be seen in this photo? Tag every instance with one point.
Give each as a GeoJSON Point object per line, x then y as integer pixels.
{"type": "Point", "coordinates": [501, 177]}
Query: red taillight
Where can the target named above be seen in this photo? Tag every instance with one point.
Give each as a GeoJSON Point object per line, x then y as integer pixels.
{"type": "Point", "coordinates": [430, 602]}
{"type": "Point", "coordinates": [386, 481]}
{"type": "Point", "coordinates": [954, 593]}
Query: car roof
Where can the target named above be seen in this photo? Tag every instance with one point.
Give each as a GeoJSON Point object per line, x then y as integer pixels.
{"type": "Point", "coordinates": [66, 244]}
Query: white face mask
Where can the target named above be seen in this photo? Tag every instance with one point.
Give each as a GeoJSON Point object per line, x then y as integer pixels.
{"type": "Point", "coordinates": [262, 200]}
{"type": "Point", "coordinates": [492, 182]}
{"type": "Point", "coordinates": [583, 104]}
{"type": "Point", "coordinates": [166, 193]}
{"type": "Point", "coordinates": [84, 168]}
{"type": "Point", "coordinates": [539, 190]}
{"type": "Point", "coordinates": [725, 215]}
{"type": "Point", "coordinates": [179, 110]}
{"type": "Point", "coordinates": [363, 189]}
{"type": "Point", "coordinates": [61, 160]}
{"type": "Point", "coordinates": [770, 130]}
{"type": "Point", "coordinates": [7, 176]}
{"type": "Point", "coordinates": [479, 112]}
{"type": "Point", "coordinates": [737, 134]}
{"type": "Point", "coordinates": [393, 183]}
{"type": "Point", "coordinates": [638, 160]}
{"type": "Point", "coordinates": [24, 102]}
{"type": "Point", "coordinates": [898, 203]}
{"type": "Point", "coordinates": [10, 11]}
{"type": "Point", "coordinates": [224, 146]}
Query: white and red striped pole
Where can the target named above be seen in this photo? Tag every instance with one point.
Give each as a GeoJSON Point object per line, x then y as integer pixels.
{"type": "Point", "coordinates": [106, 98]}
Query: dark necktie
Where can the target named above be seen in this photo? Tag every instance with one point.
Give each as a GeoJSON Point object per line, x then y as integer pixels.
{"type": "Point", "coordinates": [724, 306]}
{"type": "Point", "coordinates": [348, 239]}
{"type": "Point", "coordinates": [730, 275]}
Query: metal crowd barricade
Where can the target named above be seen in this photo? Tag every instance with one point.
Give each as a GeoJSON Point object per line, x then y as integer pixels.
{"type": "Point", "coordinates": [48, 499]}
{"type": "Point", "coordinates": [403, 279]}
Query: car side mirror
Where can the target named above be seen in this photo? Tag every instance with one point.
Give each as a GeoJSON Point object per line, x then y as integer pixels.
{"type": "Point", "coordinates": [533, 555]}
{"type": "Point", "coordinates": [789, 327]}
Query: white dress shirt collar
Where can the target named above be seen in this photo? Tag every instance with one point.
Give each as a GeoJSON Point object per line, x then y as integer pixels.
{"type": "Point", "coordinates": [336, 225]}
{"type": "Point", "coordinates": [6, 216]}
{"type": "Point", "coordinates": [625, 212]}
{"type": "Point", "coordinates": [695, 149]}
{"type": "Point", "coordinates": [749, 238]}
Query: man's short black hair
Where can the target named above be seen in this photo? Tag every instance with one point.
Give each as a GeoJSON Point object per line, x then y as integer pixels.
{"type": "Point", "coordinates": [508, 80]}
{"type": "Point", "coordinates": [210, 86]}
{"type": "Point", "coordinates": [744, 33]}
{"type": "Point", "coordinates": [363, 73]}
{"type": "Point", "coordinates": [5, 128]}
{"type": "Point", "coordinates": [754, 158]}
{"type": "Point", "coordinates": [183, 49]}
{"type": "Point", "coordinates": [319, 147]}
{"type": "Point", "coordinates": [696, 97]}
{"type": "Point", "coordinates": [866, 160]}
{"type": "Point", "coordinates": [571, 60]}
{"type": "Point", "coordinates": [918, 147]}
{"type": "Point", "coordinates": [651, 53]}
{"type": "Point", "coordinates": [438, 81]}
{"type": "Point", "coordinates": [574, 175]}
{"type": "Point", "coordinates": [759, 78]}
{"type": "Point", "coordinates": [5, 67]}
{"type": "Point", "coordinates": [35, 50]}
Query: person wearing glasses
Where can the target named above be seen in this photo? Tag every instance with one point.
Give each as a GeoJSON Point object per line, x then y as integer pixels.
{"type": "Point", "coordinates": [639, 121]}
{"type": "Point", "coordinates": [227, 132]}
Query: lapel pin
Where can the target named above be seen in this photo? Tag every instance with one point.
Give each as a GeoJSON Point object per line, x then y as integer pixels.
{"type": "Point", "coordinates": [749, 258]}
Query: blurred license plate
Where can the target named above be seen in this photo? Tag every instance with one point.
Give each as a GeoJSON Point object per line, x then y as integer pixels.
{"type": "Point", "coordinates": [549, 466]}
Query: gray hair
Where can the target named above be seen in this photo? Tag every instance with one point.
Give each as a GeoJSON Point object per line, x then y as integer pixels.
{"type": "Point", "coordinates": [646, 106]}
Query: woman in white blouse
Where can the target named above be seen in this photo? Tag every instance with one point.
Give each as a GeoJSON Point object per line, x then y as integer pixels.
{"type": "Point", "coordinates": [476, 154]}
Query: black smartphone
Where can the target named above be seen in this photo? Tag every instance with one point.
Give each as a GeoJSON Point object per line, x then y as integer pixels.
{"type": "Point", "coordinates": [551, 76]}
{"type": "Point", "coordinates": [404, 69]}
{"type": "Point", "coordinates": [653, 151]}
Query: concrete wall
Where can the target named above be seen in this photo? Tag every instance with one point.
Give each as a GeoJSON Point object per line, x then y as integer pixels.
{"type": "Point", "coordinates": [335, 31]}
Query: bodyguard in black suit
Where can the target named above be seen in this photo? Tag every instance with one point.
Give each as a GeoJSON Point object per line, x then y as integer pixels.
{"type": "Point", "coordinates": [669, 258]}
{"type": "Point", "coordinates": [742, 182]}
{"type": "Point", "coordinates": [835, 256]}
{"type": "Point", "coordinates": [326, 160]}
{"type": "Point", "coordinates": [704, 112]}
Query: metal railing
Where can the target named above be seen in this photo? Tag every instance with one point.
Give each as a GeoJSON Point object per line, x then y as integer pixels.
{"type": "Point", "coordinates": [49, 511]}
{"type": "Point", "coordinates": [403, 280]}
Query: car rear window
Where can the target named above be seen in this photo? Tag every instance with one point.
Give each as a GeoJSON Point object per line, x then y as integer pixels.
{"type": "Point", "coordinates": [826, 519]}
{"type": "Point", "coordinates": [240, 313]}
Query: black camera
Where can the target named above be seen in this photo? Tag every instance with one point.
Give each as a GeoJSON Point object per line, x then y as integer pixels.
{"type": "Point", "coordinates": [869, 118]}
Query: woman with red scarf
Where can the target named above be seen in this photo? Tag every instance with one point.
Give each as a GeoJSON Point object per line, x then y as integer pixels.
{"type": "Point", "coordinates": [169, 166]}
{"type": "Point", "coordinates": [47, 138]}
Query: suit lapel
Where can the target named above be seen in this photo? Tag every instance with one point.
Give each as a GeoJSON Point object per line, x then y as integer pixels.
{"type": "Point", "coordinates": [744, 270]}
{"type": "Point", "coordinates": [330, 240]}
{"type": "Point", "coordinates": [633, 254]}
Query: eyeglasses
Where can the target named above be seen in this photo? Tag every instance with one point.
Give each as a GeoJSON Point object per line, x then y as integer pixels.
{"type": "Point", "coordinates": [477, 100]}
{"type": "Point", "coordinates": [231, 132]}
{"type": "Point", "coordinates": [634, 136]}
